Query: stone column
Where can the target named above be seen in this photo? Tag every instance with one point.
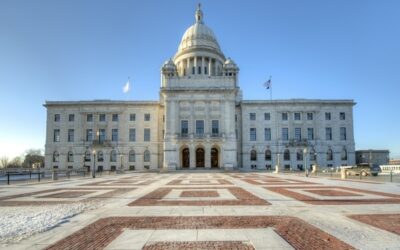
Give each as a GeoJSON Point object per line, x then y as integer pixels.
{"type": "Point", "coordinates": [202, 65]}
{"type": "Point", "coordinates": [207, 156]}
{"type": "Point", "coordinates": [192, 157]}
{"type": "Point", "coordinates": [195, 64]}
{"type": "Point", "coordinates": [209, 66]}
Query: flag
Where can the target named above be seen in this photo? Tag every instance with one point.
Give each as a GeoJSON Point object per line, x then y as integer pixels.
{"type": "Point", "coordinates": [126, 87]}
{"type": "Point", "coordinates": [268, 84]}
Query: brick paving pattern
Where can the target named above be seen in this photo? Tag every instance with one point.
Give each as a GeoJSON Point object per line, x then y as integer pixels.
{"type": "Point", "coordinates": [67, 194]}
{"type": "Point", "coordinates": [197, 182]}
{"type": "Point", "coordinates": [199, 245]}
{"type": "Point", "coordinates": [199, 193]}
{"type": "Point", "coordinates": [388, 222]}
{"type": "Point", "coordinates": [326, 192]}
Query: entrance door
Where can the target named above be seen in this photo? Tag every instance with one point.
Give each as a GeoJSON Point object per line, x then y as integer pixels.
{"type": "Point", "coordinates": [185, 158]}
{"type": "Point", "coordinates": [214, 158]}
{"type": "Point", "coordinates": [200, 158]}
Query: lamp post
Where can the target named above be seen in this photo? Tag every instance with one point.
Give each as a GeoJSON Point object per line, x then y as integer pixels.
{"type": "Point", "coordinates": [94, 164]}
{"type": "Point", "coordinates": [305, 161]}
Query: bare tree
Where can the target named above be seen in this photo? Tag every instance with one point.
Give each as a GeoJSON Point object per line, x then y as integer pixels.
{"type": "Point", "coordinates": [16, 162]}
{"type": "Point", "coordinates": [4, 161]}
{"type": "Point", "coordinates": [33, 156]}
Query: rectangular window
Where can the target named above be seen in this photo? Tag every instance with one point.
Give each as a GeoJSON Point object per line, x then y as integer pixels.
{"type": "Point", "coordinates": [199, 127]}
{"type": "Point", "coordinates": [89, 135]}
{"type": "Point", "coordinates": [57, 117]}
{"type": "Point", "coordinates": [297, 134]}
{"type": "Point", "coordinates": [310, 116]}
{"type": "Point", "coordinates": [102, 117]}
{"type": "Point", "coordinates": [193, 70]}
{"type": "Point", "coordinates": [253, 134]}
{"type": "Point", "coordinates": [114, 117]}
{"type": "Point", "coordinates": [267, 116]}
{"type": "Point", "coordinates": [328, 116]}
{"type": "Point", "coordinates": [297, 116]}
{"type": "Point", "coordinates": [132, 117]}
{"type": "Point", "coordinates": [343, 135]}
{"type": "Point", "coordinates": [71, 117]}
{"type": "Point", "coordinates": [310, 134]}
{"type": "Point", "coordinates": [132, 134]}
{"type": "Point", "coordinates": [235, 118]}
{"type": "Point", "coordinates": [184, 128]}
{"type": "Point", "coordinates": [56, 135]}
{"type": "Point", "coordinates": [114, 134]}
{"type": "Point", "coordinates": [205, 70]}
{"type": "Point", "coordinates": [284, 116]}
{"type": "Point", "coordinates": [342, 116]}
{"type": "Point", "coordinates": [215, 127]}
{"type": "Point", "coordinates": [252, 116]}
{"type": "Point", "coordinates": [102, 135]}
{"type": "Point", "coordinates": [285, 134]}
{"type": "Point", "coordinates": [267, 134]}
{"type": "Point", "coordinates": [147, 117]}
{"type": "Point", "coordinates": [70, 135]}
{"type": "Point", "coordinates": [328, 134]}
{"type": "Point", "coordinates": [199, 70]}
{"type": "Point", "coordinates": [146, 134]}
{"type": "Point", "coordinates": [89, 117]}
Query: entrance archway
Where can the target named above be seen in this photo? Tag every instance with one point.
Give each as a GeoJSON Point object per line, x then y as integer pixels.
{"type": "Point", "coordinates": [185, 158]}
{"type": "Point", "coordinates": [214, 158]}
{"type": "Point", "coordinates": [199, 158]}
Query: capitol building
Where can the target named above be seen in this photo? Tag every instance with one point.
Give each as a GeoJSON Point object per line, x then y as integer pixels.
{"type": "Point", "coordinates": [200, 121]}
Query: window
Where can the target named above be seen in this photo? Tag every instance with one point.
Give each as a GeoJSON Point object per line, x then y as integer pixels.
{"type": "Point", "coordinates": [113, 156]}
{"type": "Point", "coordinates": [267, 116]}
{"type": "Point", "coordinates": [286, 155]}
{"type": "Point", "coordinates": [132, 134]}
{"type": "Point", "coordinates": [328, 134]}
{"type": "Point", "coordinates": [114, 134]}
{"type": "Point", "coordinates": [267, 134]}
{"type": "Point", "coordinates": [268, 155]}
{"type": "Point", "coordinates": [132, 156]}
{"type": "Point", "coordinates": [344, 155]}
{"type": "Point", "coordinates": [87, 155]}
{"type": "Point", "coordinates": [343, 135]}
{"type": "Point", "coordinates": [71, 117]}
{"type": "Point", "coordinates": [56, 137]}
{"type": "Point", "coordinates": [146, 136]}
{"type": "Point", "coordinates": [70, 157]}
{"type": "Point", "coordinates": [252, 116]}
{"type": "Point", "coordinates": [89, 135]}
{"type": "Point", "coordinates": [329, 155]}
{"type": "Point", "coordinates": [205, 70]}
{"type": "Point", "coordinates": [253, 134]}
{"type": "Point", "coordinates": [184, 128]}
{"type": "Point", "coordinates": [89, 117]}
{"type": "Point", "coordinates": [70, 135]}
{"type": "Point", "coordinates": [56, 156]}
{"type": "Point", "coordinates": [102, 135]}
{"type": "Point", "coordinates": [313, 155]}
{"type": "Point", "coordinates": [297, 116]}
{"type": "Point", "coordinates": [284, 116]}
{"type": "Point", "coordinates": [147, 117]}
{"type": "Point", "coordinates": [214, 127]}
{"type": "Point", "coordinates": [310, 116]}
{"type": "Point", "coordinates": [285, 134]}
{"type": "Point", "coordinates": [299, 155]}
{"type": "Point", "coordinates": [235, 118]}
{"type": "Point", "coordinates": [100, 156]}
{"type": "Point", "coordinates": [342, 116]}
{"type": "Point", "coordinates": [193, 70]}
{"type": "Point", "coordinates": [199, 70]}
{"type": "Point", "coordinates": [297, 134]}
{"type": "Point", "coordinates": [57, 117]}
{"type": "Point", "coordinates": [132, 117]}
{"type": "Point", "coordinates": [146, 156]}
{"type": "Point", "coordinates": [253, 155]}
{"type": "Point", "coordinates": [328, 116]}
{"type": "Point", "coordinates": [199, 127]}
{"type": "Point", "coordinates": [310, 134]}
{"type": "Point", "coordinates": [102, 117]}
{"type": "Point", "coordinates": [114, 117]}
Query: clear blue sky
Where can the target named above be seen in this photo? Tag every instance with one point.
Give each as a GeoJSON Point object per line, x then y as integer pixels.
{"type": "Point", "coordinates": [86, 49]}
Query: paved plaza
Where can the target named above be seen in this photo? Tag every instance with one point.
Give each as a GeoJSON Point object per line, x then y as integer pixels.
{"type": "Point", "coordinates": [202, 210]}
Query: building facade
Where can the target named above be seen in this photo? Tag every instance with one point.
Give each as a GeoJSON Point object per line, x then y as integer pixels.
{"type": "Point", "coordinates": [200, 121]}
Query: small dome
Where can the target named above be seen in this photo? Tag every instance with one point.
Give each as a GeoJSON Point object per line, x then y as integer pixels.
{"type": "Point", "coordinates": [169, 64]}
{"type": "Point", "coordinates": [229, 63]}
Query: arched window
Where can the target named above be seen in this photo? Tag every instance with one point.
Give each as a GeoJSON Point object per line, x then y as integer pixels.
{"type": "Point", "coordinates": [299, 155]}
{"type": "Point", "coordinates": [146, 156]}
{"type": "Point", "coordinates": [87, 155]}
{"type": "Point", "coordinates": [132, 156]}
{"type": "Point", "coordinates": [286, 155]}
{"type": "Point", "coordinates": [267, 155]}
{"type": "Point", "coordinates": [253, 155]}
{"type": "Point", "coordinates": [113, 156]}
{"type": "Point", "coordinates": [329, 155]}
{"type": "Point", "coordinates": [313, 155]}
{"type": "Point", "coordinates": [344, 155]}
{"type": "Point", "coordinates": [70, 157]}
{"type": "Point", "coordinates": [56, 156]}
{"type": "Point", "coordinates": [100, 156]}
